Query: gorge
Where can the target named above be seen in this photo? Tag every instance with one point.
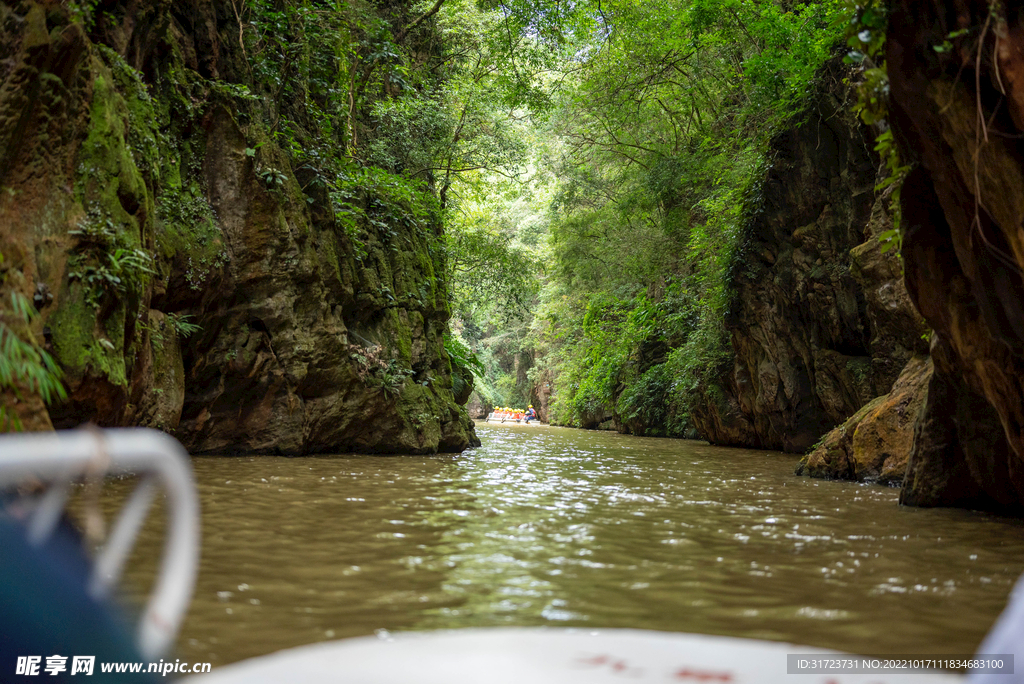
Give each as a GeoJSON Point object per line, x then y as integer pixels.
{"type": "Point", "coordinates": [301, 227]}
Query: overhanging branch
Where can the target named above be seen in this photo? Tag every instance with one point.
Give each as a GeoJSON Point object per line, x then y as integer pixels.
{"type": "Point", "coordinates": [418, 20]}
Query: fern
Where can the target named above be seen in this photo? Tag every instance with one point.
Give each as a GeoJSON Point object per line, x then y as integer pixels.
{"type": "Point", "coordinates": [25, 367]}
{"type": "Point", "coordinates": [462, 356]}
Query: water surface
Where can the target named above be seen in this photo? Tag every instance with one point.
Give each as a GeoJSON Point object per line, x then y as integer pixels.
{"type": "Point", "coordinates": [547, 526]}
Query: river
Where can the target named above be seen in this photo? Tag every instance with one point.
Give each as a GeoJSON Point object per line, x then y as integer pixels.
{"type": "Point", "coordinates": [550, 526]}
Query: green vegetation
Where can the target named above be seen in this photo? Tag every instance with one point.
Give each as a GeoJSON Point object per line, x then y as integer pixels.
{"type": "Point", "coordinates": [104, 262]}
{"type": "Point", "coordinates": [865, 35]}
{"type": "Point", "coordinates": [649, 134]}
{"type": "Point", "coordinates": [577, 178]}
{"type": "Point", "coordinates": [375, 369]}
{"type": "Point", "coordinates": [26, 368]}
{"type": "Point", "coordinates": [462, 356]}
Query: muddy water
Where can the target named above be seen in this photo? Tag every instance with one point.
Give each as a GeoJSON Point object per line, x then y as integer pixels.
{"type": "Point", "coordinates": [571, 528]}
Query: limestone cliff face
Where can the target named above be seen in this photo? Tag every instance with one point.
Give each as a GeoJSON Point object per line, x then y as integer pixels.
{"type": "Point", "coordinates": [960, 123]}
{"type": "Point", "coordinates": [875, 443]}
{"type": "Point", "coordinates": [139, 198]}
{"type": "Point", "coordinates": [819, 321]}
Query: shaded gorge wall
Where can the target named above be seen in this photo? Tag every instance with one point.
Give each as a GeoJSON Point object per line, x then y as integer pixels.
{"type": "Point", "coordinates": [164, 203]}
{"type": "Point", "coordinates": [819, 322]}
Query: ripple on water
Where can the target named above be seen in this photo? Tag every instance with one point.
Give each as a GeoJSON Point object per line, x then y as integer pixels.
{"type": "Point", "coordinates": [567, 527]}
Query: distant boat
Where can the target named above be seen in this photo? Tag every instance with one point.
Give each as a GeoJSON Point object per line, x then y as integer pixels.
{"type": "Point", "coordinates": [511, 419]}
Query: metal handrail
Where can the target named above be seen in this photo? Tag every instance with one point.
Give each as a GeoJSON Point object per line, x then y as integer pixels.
{"type": "Point", "coordinates": [63, 457]}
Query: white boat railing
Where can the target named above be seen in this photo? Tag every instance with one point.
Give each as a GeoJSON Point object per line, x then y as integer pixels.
{"type": "Point", "coordinates": [61, 458]}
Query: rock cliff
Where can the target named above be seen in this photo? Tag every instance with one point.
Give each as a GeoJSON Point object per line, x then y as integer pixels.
{"type": "Point", "coordinates": [874, 444]}
{"type": "Point", "coordinates": [192, 266]}
{"type": "Point", "coordinates": [819, 322]}
{"type": "Point", "coordinates": [957, 110]}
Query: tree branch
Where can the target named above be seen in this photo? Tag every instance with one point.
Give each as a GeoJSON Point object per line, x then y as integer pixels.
{"type": "Point", "coordinates": [418, 20]}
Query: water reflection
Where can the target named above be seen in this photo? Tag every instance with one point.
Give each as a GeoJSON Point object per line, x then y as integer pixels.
{"type": "Point", "coordinates": [564, 527]}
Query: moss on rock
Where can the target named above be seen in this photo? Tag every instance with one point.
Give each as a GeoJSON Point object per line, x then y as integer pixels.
{"type": "Point", "coordinates": [874, 445]}
{"type": "Point", "coordinates": [152, 126]}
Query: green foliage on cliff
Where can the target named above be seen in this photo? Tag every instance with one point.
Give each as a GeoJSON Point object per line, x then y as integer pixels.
{"type": "Point", "coordinates": [572, 179]}
{"type": "Point", "coordinates": [655, 127]}
{"type": "Point", "coordinates": [461, 356]}
{"type": "Point", "coordinates": [26, 368]}
{"type": "Point", "coordinates": [105, 262]}
{"type": "Point", "coordinates": [865, 36]}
